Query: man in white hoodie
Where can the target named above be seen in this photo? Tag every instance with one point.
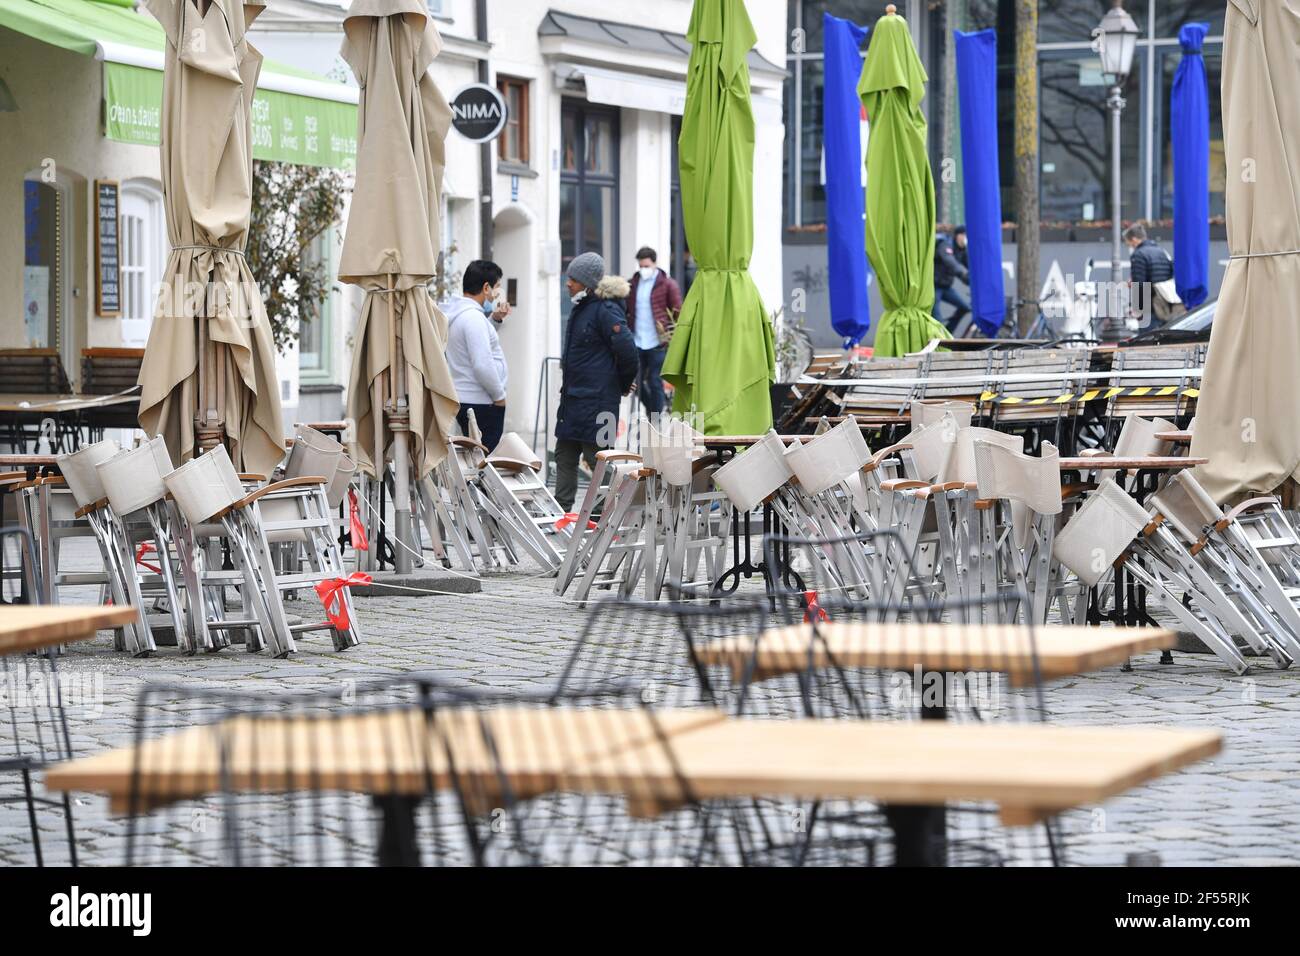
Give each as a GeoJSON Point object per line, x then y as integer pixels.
{"type": "Point", "coordinates": [478, 366]}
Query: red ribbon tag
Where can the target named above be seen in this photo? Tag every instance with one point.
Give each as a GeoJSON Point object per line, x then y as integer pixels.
{"type": "Point", "coordinates": [570, 518]}
{"type": "Point", "coordinates": [336, 612]}
{"type": "Point", "coordinates": [140, 552]}
{"type": "Point", "coordinates": [813, 611]}
{"type": "Point", "coordinates": [359, 540]}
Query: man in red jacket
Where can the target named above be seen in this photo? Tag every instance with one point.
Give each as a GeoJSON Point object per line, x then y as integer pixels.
{"type": "Point", "coordinates": [652, 309]}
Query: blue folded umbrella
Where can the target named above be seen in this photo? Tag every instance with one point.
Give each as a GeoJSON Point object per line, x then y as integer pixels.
{"type": "Point", "coordinates": [977, 86]}
{"type": "Point", "coordinates": [846, 248]}
{"type": "Point", "coordinates": [1189, 120]}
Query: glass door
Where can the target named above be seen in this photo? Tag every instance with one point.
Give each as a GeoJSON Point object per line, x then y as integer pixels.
{"type": "Point", "coordinates": [589, 143]}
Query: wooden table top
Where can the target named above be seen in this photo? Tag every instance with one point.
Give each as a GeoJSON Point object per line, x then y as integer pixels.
{"type": "Point", "coordinates": [1029, 770]}
{"type": "Point", "coordinates": [1006, 649]}
{"type": "Point", "coordinates": [27, 461]}
{"type": "Point", "coordinates": [1111, 463]}
{"type": "Point", "coordinates": [1178, 438]}
{"type": "Point", "coordinates": [61, 403]}
{"type": "Point", "coordinates": [723, 441]}
{"type": "Point", "coordinates": [28, 627]}
{"type": "Point", "coordinates": [397, 751]}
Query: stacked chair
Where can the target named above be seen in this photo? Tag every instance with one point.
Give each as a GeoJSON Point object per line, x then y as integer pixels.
{"type": "Point", "coordinates": [516, 498]}
{"type": "Point", "coordinates": [610, 520]}
{"type": "Point", "coordinates": [488, 508]}
{"type": "Point", "coordinates": [123, 497]}
{"type": "Point", "coordinates": [652, 520]}
{"type": "Point", "coordinates": [454, 516]}
{"type": "Point", "coordinates": [1219, 587]}
{"type": "Point", "coordinates": [683, 511]}
{"type": "Point", "coordinates": [294, 512]}
{"type": "Point", "coordinates": [191, 536]}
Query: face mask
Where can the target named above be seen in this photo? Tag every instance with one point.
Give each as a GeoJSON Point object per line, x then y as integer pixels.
{"type": "Point", "coordinates": [649, 273]}
{"type": "Point", "coordinates": [575, 299]}
{"type": "Point", "coordinates": [489, 306]}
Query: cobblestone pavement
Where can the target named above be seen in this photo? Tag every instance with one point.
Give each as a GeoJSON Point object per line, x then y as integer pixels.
{"type": "Point", "coordinates": [1240, 808]}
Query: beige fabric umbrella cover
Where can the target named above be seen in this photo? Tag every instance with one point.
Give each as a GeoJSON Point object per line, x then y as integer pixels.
{"type": "Point", "coordinates": [207, 173]}
{"type": "Point", "coordinates": [393, 226]}
{"type": "Point", "coordinates": [1249, 406]}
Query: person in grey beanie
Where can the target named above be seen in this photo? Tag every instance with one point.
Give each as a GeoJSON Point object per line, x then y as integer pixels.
{"type": "Point", "coordinates": [598, 367]}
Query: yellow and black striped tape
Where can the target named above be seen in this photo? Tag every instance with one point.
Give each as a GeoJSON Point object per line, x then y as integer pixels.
{"type": "Point", "coordinates": [1154, 391]}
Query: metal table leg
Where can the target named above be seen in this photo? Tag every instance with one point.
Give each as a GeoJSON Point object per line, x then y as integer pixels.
{"type": "Point", "coordinates": [397, 845]}
{"type": "Point", "coordinates": [921, 831]}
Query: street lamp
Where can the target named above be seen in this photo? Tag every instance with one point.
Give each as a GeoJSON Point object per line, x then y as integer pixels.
{"type": "Point", "coordinates": [1115, 40]}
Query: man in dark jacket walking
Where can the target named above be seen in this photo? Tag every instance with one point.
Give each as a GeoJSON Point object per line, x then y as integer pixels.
{"type": "Point", "coordinates": [1149, 266]}
{"type": "Point", "coordinates": [950, 265]}
{"type": "Point", "coordinates": [599, 366]}
{"type": "Point", "coordinates": [653, 304]}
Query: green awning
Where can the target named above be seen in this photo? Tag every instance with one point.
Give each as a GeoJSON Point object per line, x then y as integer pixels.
{"type": "Point", "coordinates": [298, 117]}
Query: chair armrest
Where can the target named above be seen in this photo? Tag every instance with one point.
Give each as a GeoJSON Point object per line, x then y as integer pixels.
{"type": "Point", "coordinates": [508, 464]}
{"type": "Point", "coordinates": [95, 506]}
{"type": "Point", "coordinates": [463, 442]}
{"type": "Point", "coordinates": [903, 484]}
{"type": "Point", "coordinates": [299, 482]}
{"type": "Point", "coordinates": [1249, 505]}
{"type": "Point", "coordinates": [884, 453]}
{"type": "Point", "coordinates": [1076, 488]}
{"type": "Point", "coordinates": [610, 454]}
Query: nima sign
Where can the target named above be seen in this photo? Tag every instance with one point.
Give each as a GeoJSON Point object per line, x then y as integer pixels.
{"type": "Point", "coordinates": [478, 112]}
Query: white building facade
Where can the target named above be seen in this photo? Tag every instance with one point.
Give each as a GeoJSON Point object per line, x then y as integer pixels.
{"type": "Point", "coordinates": [587, 161]}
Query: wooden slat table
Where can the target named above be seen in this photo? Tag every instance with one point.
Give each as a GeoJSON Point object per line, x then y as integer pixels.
{"type": "Point", "coordinates": [1008, 649]}
{"type": "Point", "coordinates": [393, 752]}
{"type": "Point", "coordinates": [1029, 771]}
{"type": "Point", "coordinates": [26, 627]}
{"type": "Point", "coordinates": [56, 404]}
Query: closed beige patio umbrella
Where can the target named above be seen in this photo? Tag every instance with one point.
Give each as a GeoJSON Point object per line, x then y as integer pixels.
{"type": "Point", "coordinates": [208, 374]}
{"type": "Point", "coordinates": [1249, 404]}
{"type": "Point", "coordinates": [400, 393]}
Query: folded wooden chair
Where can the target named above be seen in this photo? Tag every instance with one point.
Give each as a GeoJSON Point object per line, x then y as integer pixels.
{"type": "Point", "coordinates": [1027, 492]}
{"type": "Point", "coordinates": [142, 527]}
{"type": "Point", "coordinates": [681, 531]}
{"type": "Point", "coordinates": [1110, 530]}
{"type": "Point", "coordinates": [515, 495]}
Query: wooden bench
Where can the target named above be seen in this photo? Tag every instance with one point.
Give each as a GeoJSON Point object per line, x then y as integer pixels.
{"type": "Point", "coordinates": [109, 371]}
{"type": "Point", "coordinates": [1036, 409]}
{"type": "Point", "coordinates": [1149, 396]}
{"type": "Point", "coordinates": [34, 371]}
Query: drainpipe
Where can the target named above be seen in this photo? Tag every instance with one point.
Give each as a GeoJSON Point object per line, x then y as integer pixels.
{"type": "Point", "coordinates": [486, 229]}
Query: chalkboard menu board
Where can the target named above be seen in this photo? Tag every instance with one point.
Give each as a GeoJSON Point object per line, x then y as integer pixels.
{"type": "Point", "coordinates": [108, 264]}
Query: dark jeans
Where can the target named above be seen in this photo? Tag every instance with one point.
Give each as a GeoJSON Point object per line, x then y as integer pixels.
{"type": "Point", "coordinates": [953, 298]}
{"type": "Point", "coordinates": [491, 420]}
{"type": "Point", "coordinates": [567, 453]}
{"type": "Point", "coordinates": [649, 385]}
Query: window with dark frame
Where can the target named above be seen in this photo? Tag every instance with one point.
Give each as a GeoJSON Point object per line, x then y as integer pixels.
{"type": "Point", "coordinates": [512, 147]}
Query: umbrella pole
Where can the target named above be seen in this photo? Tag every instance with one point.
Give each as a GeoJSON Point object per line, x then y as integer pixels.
{"type": "Point", "coordinates": [207, 433]}
{"type": "Point", "coordinates": [405, 547]}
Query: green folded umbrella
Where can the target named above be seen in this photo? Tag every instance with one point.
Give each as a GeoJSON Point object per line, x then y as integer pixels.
{"type": "Point", "coordinates": [721, 360]}
{"type": "Point", "coordinates": [900, 190]}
